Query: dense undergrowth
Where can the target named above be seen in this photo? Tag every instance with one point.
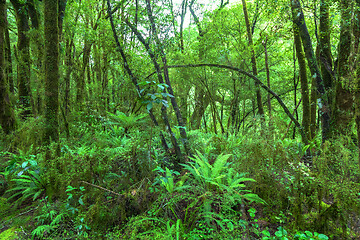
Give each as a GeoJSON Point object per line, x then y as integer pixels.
{"type": "Point", "coordinates": [112, 180]}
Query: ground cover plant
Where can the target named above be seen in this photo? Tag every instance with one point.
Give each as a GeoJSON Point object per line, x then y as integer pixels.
{"type": "Point", "coordinates": [179, 119]}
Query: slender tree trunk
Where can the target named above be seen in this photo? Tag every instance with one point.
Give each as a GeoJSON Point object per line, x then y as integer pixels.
{"type": "Point", "coordinates": [51, 70]}
{"type": "Point", "coordinates": [202, 97]}
{"type": "Point", "coordinates": [81, 83]}
{"type": "Point", "coordinates": [304, 82]}
{"type": "Point", "coordinates": [7, 117]}
{"type": "Point", "coordinates": [201, 102]}
{"type": "Point", "coordinates": [174, 104]}
{"type": "Point", "coordinates": [8, 59]}
{"type": "Point", "coordinates": [182, 18]}
{"type": "Point", "coordinates": [68, 70]}
{"type": "Point", "coordinates": [131, 74]}
{"type": "Point", "coordinates": [326, 62]}
{"type": "Point", "coordinates": [313, 108]}
{"type": "Point", "coordinates": [267, 74]}
{"type": "Point", "coordinates": [325, 112]}
{"type": "Point", "coordinates": [23, 47]}
{"type": "Point", "coordinates": [253, 59]}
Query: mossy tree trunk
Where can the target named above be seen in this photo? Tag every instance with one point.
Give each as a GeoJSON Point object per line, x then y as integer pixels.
{"type": "Point", "coordinates": [326, 62]}
{"type": "Point", "coordinates": [322, 101]}
{"type": "Point", "coordinates": [304, 82]}
{"type": "Point", "coordinates": [7, 118]}
{"type": "Point", "coordinates": [343, 103]}
{"type": "Point", "coordinates": [51, 70]}
{"type": "Point", "coordinates": [8, 59]}
{"type": "Point", "coordinates": [23, 47]}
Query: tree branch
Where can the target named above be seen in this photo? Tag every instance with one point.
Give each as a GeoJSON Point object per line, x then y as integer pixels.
{"type": "Point", "coordinates": [297, 124]}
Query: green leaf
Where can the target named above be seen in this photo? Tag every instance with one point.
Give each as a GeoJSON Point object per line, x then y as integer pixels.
{"type": "Point", "coordinates": [219, 164]}
{"type": "Point", "coordinates": [308, 233]}
{"type": "Point", "coordinates": [149, 106]}
{"type": "Point", "coordinates": [81, 201]}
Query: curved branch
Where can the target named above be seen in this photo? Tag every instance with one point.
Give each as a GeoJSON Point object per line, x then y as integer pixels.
{"type": "Point", "coordinates": [282, 104]}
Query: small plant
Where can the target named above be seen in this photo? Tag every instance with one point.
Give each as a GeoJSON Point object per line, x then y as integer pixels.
{"type": "Point", "coordinates": [220, 177]}
{"type": "Point", "coordinates": [282, 234]}
{"type": "Point", "coordinates": [54, 220]}
{"type": "Point", "coordinates": [310, 236]}
{"type": "Point", "coordinates": [28, 180]}
{"type": "Point", "coordinates": [167, 181]}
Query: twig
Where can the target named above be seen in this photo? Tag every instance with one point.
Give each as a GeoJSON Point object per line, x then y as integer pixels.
{"type": "Point", "coordinates": [102, 188]}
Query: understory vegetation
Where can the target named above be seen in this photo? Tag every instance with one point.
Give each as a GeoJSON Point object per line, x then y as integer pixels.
{"type": "Point", "coordinates": [108, 184]}
{"type": "Point", "coordinates": [180, 119]}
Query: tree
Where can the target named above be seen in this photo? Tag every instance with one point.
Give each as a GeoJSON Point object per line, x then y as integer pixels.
{"type": "Point", "coordinates": [299, 20]}
{"type": "Point", "coordinates": [253, 58]}
{"type": "Point", "coordinates": [343, 111]}
{"type": "Point", "coordinates": [23, 50]}
{"type": "Point", "coordinates": [303, 79]}
{"type": "Point", "coordinates": [7, 119]}
{"type": "Point", "coordinates": [51, 70]}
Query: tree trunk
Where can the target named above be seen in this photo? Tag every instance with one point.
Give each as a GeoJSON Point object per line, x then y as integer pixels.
{"type": "Point", "coordinates": [253, 59]}
{"type": "Point", "coordinates": [23, 46]}
{"type": "Point", "coordinates": [81, 83]}
{"type": "Point", "coordinates": [131, 74]}
{"type": "Point", "coordinates": [326, 62]}
{"type": "Point", "coordinates": [304, 82]}
{"type": "Point", "coordinates": [182, 17]}
{"type": "Point", "coordinates": [51, 31]}
{"type": "Point", "coordinates": [322, 101]}
{"type": "Point", "coordinates": [8, 59]}
{"type": "Point", "coordinates": [267, 74]}
{"type": "Point", "coordinates": [7, 117]}
{"type": "Point", "coordinates": [343, 105]}
{"type": "Point", "coordinates": [200, 106]}
{"type": "Point", "coordinates": [357, 105]}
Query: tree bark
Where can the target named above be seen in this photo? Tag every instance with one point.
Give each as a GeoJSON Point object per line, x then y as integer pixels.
{"type": "Point", "coordinates": [322, 101]}
{"type": "Point", "coordinates": [326, 62]}
{"type": "Point", "coordinates": [253, 58]}
{"type": "Point", "coordinates": [51, 31]}
{"type": "Point", "coordinates": [267, 73]}
{"type": "Point", "coordinates": [304, 82]}
{"type": "Point", "coordinates": [343, 105]}
{"type": "Point", "coordinates": [23, 47]}
{"type": "Point", "coordinates": [7, 117]}
{"type": "Point", "coordinates": [8, 59]}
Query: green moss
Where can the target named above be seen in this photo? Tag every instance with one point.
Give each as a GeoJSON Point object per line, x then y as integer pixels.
{"type": "Point", "coordinates": [4, 205]}
{"type": "Point", "coordinates": [9, 234]}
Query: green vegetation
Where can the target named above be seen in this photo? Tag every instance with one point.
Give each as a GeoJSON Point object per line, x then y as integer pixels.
{"type": "Point", "coordinates": [126, 120]}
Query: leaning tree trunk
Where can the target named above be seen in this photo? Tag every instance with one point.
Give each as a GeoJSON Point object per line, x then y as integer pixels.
{"type": "Point", "coordinates": [7, 117]}
{"type": "Point", "coordinates": [132, 75]}
{"type": "Point", "coordinates": [253, 59]}
{"type": "Point", "coordinates": [174, 103]}
{"type": "Point", "coordinates": [51, 70]}
{"type": "Point", "coordinates": [325, 113]}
